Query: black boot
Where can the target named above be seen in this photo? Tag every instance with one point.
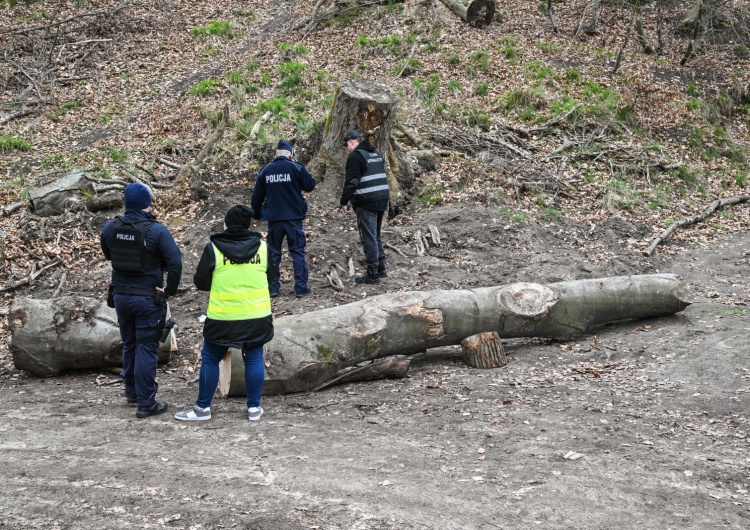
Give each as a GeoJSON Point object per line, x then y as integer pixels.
{"type": "Point", "coordinates": [160, 407]}
{"type": "Point", "coordinates": [367, 279]}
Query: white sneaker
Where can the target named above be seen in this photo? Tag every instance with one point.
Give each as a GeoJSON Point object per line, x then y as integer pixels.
{"type": "Point", "coordinates": [193, 414]}
{"type": "Point", "coordinates": [254, 413]}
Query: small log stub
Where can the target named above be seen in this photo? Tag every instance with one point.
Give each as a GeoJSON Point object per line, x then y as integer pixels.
{"type": "Point", "coordinates": [484, 350]}
{"type": "Point", "coordinates": [479, 13]}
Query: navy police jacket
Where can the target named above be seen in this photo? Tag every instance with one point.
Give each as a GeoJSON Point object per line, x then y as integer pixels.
{"type": "Point", "coordinates": [158, 241]}
{"type": "Point", "coordinates": [277, 195]}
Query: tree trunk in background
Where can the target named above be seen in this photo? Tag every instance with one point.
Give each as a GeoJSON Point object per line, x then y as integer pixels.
{"type": "Point", "coordinates": [70, 332]}
{"type": "Point", "coordinates": [310, 348]}
{"type": "Point", "coordinates": [479, 13]}
{"type": "Point", "coordinates": [359, 104]}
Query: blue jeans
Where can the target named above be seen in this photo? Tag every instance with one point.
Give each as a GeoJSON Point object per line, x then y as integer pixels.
{"type": "Point", "coordinates": [255, 373]}
{"type": "Point", "coordinates": [295, 239]}
{"type": "Point", "coordinates": [139, 318]}
{"type": "Point", "coordinates": [370, 224]}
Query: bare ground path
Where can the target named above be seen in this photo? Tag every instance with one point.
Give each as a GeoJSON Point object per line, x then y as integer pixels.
{"type": "Point", "coordinates": [657, 411]}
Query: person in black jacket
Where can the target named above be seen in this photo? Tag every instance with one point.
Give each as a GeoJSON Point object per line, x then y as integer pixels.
{"type": "Point", "coordinates": [366, 187]}
{"type": "Point", "coordinates": [235, 269]}
{"type": "Point", "coordinates": [140, 250]}
{"type": "Point", "coordinates": [277, 198]}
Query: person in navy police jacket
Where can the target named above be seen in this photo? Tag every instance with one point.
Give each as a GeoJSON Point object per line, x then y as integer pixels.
{"type": "Point", "coordinates": [278, 199]}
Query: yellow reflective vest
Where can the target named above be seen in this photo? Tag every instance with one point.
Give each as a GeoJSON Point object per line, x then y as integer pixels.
{"type": "Point", "coordinates": [239, 291]}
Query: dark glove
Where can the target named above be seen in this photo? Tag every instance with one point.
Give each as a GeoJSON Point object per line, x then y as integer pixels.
{"type": "Point", "coordinates": [161, 297]}
{"type": "Point", "coordinates": [111, 296]}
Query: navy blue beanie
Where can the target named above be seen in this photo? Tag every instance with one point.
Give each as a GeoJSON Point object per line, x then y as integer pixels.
{"type": "Point", "coordinates": [239, 215]}
{"type": "Point", "coordinates": [137, 197]}
{"type": "Point", "coordinates": [283, 145]}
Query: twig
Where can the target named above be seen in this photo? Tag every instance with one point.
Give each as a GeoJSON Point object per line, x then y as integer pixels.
{"type": "Point", "coordinates": [168, 163]}
{"type": "Point", "coordinates": [395, 249]}
{"type": "Point", "coordinates": [551, 13]}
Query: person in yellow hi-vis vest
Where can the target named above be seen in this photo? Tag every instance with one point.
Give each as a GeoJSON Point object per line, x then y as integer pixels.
{"type": "Point", "coordinates": [235, 269]}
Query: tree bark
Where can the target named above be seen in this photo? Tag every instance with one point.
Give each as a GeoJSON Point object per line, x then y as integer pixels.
{"type": "Point", "coordinates": [70, 332]}
{"type": "Point", "coordinates": [479, 13]}
{"type": "Point", "coordinates": [309, 349]}
{"type": "Point", "coordinates": [359, 104]}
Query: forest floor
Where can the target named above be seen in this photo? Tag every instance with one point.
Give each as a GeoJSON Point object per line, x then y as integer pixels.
{"type": "Point", "coordinates": [643, 424]}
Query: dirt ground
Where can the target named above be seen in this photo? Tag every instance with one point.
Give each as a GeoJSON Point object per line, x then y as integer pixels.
{"type": "Point", "coordinates": [642, 425]}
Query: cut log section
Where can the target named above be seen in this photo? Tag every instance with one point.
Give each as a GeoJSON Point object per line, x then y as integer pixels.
{"type": "Point", "coordinates": [309, 349]}
{"type": "Point", "coordinates": [67, 333]}
{"type": "Point", "coordinates": [479, 13]}
{"type": "Point", "coordinates": [48, 336]}
{"type": "Point", "coordinates": [484, 350]}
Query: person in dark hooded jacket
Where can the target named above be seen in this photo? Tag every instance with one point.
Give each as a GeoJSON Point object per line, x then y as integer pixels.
{"type": "Point", "coordinates": [235, 269]}
{"type": "Point", "coordinates": [366, 187]}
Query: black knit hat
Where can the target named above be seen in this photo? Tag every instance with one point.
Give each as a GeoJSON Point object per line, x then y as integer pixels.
{"type": "Point", "coordinates": [239, 215]}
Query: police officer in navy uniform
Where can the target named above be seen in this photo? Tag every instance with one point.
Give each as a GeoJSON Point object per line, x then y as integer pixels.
{"type": "Point", "coordinates": [140, 249]}
{"type": "Point", "coordinates": [235, 269]}
{"type": "Point", "coordinates": [277, 198]}
{"type": "Point", "coordinates": [366, 187]}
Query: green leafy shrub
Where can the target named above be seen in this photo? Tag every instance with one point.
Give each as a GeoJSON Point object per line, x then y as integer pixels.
{"type": "Point", "coordinates": [431, 194]}
{"type": "Point", "coordinates": [549, 47]}
{"type": "Point", "coordinates": [205, 87]}
{"type": "Point", "coordinates": [63, 109]}
{"type": "Point", "coordinates": [10, 143]}
{"type": "Point", "coordinates": [291, 75]}
{"type": "Point", "coordinates": [117, 155]}
{"type": "Point", "coordinates": [216, 27]}
{"type": "Point", "coordinates": [481, 89]}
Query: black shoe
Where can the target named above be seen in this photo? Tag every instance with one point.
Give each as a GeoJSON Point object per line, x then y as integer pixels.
{"type": "Point", "coordinates": [131, 398]}
{"type": "Point", "coordinates": [367, 279]}
{"type": "Point", "coordinates": [160, 407]}
{"type": "Point", "coordinates": [382, 274]}
{"type": "Point", "coordinates": [303, 294]}
{"type": "Point", "coordinates": [274, 294]}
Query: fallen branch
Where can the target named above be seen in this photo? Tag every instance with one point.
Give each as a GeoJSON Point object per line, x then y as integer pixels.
{"type": "Point", "coordinates": [394, 367]}
{"type": "Point", "coordinates": [395, 249]}
{"type": "Point", "coordinates": [169, 163]}
{"type": "Point", "coordinates": [29, 280]}
{"type": "Point", "coordinates": [60, 285]}
{"type": "Point", "coordinates": [7, 210]}
{"type": "Point", "coordinates": [710, 209]}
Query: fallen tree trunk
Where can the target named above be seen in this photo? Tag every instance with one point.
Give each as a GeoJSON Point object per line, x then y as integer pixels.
{"type": "Point", "coordinates": [309, 349]}
{"type": "Point", "coordinates": [479, 13]}
{"type": "Point", "coordinates": [70, 332]}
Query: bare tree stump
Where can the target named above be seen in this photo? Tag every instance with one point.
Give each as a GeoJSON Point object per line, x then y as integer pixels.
{"type": "Point", "coordinates": [479, 13]}
{"type": "Point", "coordinates": [67, 193]}
{"type": "Point", "coordinates": [484, 350]}
{"type": "Point", "coordinates": [359, 104]}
